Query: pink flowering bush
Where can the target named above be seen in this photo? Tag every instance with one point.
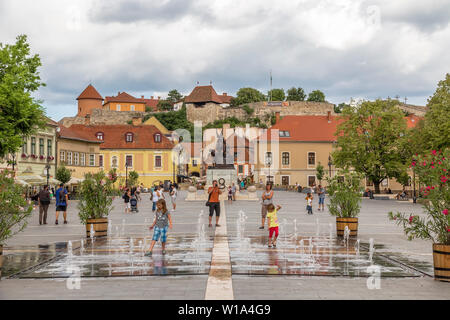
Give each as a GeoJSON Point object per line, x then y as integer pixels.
{"type": "Point", "coordinates": [434, 176]}
{"type": "Point", "coordinates": [14, 208]}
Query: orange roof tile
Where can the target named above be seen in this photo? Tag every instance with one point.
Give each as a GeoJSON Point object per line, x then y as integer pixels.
{"type": "Point", "coordinates": [114, 136]}
{"type": "Point", "coordinates": [123, 97]}
{"type": "Point", "coordinates": [77, 132]}
{"type": "Point", "coordinates": [90, 93]}
{"type": "Point", "coordinates": [202, 94]}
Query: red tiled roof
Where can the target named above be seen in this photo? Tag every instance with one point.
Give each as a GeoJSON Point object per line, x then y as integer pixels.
{"type": "Point", "coordinates": [151, 103]}
{"type": "Point", "coordinates": [412, 120]}
{"type": "Point", "coordinates": [77, 132]}
{"type": "Point", "coordinates": [114, 136]}
{"type": "Point", "coordinates": [90, 93]}
{"type": "Point", "coordinates": [225, 98]}
{"type": "Point", "coordinates": [123, 97]}
{"type": "Point", "coordinates": [202, 94]}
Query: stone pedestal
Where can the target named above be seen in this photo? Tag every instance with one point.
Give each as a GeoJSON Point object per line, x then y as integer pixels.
{"type": "Point", "coordinates": [228, 174]}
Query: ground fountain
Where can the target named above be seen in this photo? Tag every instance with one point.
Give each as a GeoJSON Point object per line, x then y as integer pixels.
{"type": "Point", "coordinates": [371, 249]}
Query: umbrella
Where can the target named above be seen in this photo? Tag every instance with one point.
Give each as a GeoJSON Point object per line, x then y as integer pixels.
{"type": "Point", "coordinates": [34, 180]}
{"type": "Point", "coordinates": [23, 183]}
{"type": "Point", "coordinates": [53, 181]}
{"type": "Point", "coordinates": [74, 180]}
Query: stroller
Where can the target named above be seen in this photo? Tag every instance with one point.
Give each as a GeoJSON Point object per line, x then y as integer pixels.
{"type": "Point", "coordinates": [133, 204]}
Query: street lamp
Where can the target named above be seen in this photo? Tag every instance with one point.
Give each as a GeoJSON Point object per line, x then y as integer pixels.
{"type": "Point", "coordinates": [269, 164]}
{"type": "Point", "coordinates": [126, 174]}
{"type": "Point", "coordinates": [330, 163]}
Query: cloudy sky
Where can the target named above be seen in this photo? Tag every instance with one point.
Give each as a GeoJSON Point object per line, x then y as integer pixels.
{"type": "Point", "coordinates": [360, 49]}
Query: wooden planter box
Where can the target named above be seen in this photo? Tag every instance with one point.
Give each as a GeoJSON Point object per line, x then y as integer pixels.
{"type": "Point", "coordinates": [100, 227]}
{"type": "Point", "coordinates": [441, 259]}
{"type": "Point", "coordinates": [1, 260]}
{"type": "Point", "coordinates": [352, 224]}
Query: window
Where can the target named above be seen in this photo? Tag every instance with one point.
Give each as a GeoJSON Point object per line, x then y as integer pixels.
{"type": "Point", "coordinates": [62, 156]}
{"type": "Point", "coordinates": [118, 107]}
{"type": "Point", "coordinates": [83, 159]}
{"type": "Point", "coordinates": [132, 108]}
{"type": "Point", "coordinates": [76, 156]}
{"type": "Point", "coordinates": [157, 137]}
{"type": "Point", "coordinates": [157, 161]}
{"type": "Point", "coordinates": [268, 158]}
{"type": "Point", "coordinates": [240, 169]}
{"type": "Point", "coordinates": [194, 163]}
{"type": "Point", "coordinates": [129, 137]}
{"type": "Point", "coordinates": [285, 134]}
{"type": "Point", "coordinates": [69, 158]}
{"type": "Point", "coordinates": [285, 180]}
{"type": "Point", "coordinates": [311, 158]}
{"type": "Point", "coordinates": [385, 182]}
{"type": "Point", "coordinates": [129, 161]}
{"type": "Point", "coordinates": [41, 146]}
{"type": "Point", "coordinates": [341, 179]}
{"type": "Point", "coordinates": [285, 158]}
{"type": "Point", "coordinates": [92, 160]}
{"type": "Point", "coordinates": [311, 181]}
{"type": "Point", "coordinates": [100, 136]}
{"type": "Point", "coordinates": [25, 147]}
{"type": "Point", "coordinates": [100, 160]}
{"type": "Point", "coordinates": [114, 161]}
{"type": "Point", "coordinates": [49, 147]}
{"type": "Point", "coordinates": [33, 145]}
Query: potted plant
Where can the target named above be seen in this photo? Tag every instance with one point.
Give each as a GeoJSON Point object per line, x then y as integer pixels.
{"type": "Point", "coordinates": [15, 209]}
{"type": "Point", "coordinates": [95, 194]}
{"type": "Point", "coordinates": [433, 172]}
{"type": "Point", "coordinates": [345, 201]}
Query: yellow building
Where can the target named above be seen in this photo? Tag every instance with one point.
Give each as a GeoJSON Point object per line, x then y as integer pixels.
{"type": "Point", "coordinates": [140, 148]}
{"type": "Point", "coordinates": [124, 102]}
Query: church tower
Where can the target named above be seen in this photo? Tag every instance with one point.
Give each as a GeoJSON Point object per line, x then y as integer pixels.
{"type": "Point", "coordinates": [89, 99]}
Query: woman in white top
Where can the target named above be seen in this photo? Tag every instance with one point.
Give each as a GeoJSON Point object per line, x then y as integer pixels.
{"type": "Point", "coordinates": [173, 196]}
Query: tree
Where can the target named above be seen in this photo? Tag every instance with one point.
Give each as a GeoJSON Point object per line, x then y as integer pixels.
{"type": "Point", "coordinates": [369, 141]}
{"type": "Point", "coordinates": [249, 111]}
{"type": "Point", "coordinates": [296, 94]}
{"type": "Point", "coordinates": [317, 96]}
{"type": "Point", "coordinates": [133, 177]}
{"type": "Point", "coordinates": [174, 96]}
{"type": "Point", "coordinates": [320, 172]}
{"type": "Point", "coordinates": [276, 94]}
{"type": "Point", "coordinates": [63, 174]}
{"type": "Point", "coordinates": [248, 95]}
{"type": "Point", "coordinates": [338, 108]}
{"type": "Point", "coordinates": [20, 113]}
{"type": "Point", "coordinates": [165, 105]}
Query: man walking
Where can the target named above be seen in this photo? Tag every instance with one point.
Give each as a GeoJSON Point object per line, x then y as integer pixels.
{"type": "Point", "coordinates": [233, 191]}
{"type": "Point", "coordinates": [61, 202]}
{"type": "Point", "coordinates": [44, 202]}
{"type": "Point", "coordinates": [214, 203]}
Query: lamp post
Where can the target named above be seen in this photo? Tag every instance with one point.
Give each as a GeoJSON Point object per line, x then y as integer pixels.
{"type": "Point", "coordinates": [126, 174]}
{"type": "Point", "coordinates": [269, 164]}
{"type": "Point", "coordinates": [330, 163]}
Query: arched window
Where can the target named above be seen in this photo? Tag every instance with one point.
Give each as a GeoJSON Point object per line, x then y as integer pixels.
{"type": "Point", "coordinates": [129, 137]}
{"type": "Point", "coordinates": [100, 136]}
{"type": "Point", "coordinates": [157, 137]}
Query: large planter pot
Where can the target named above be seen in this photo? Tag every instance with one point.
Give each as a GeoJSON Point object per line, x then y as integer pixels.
{"type": "Point", "coordinates": [1, 260]}
{"type": "Point", "coordinates": [352, 224]}
{"type": "Point", "coordinates": [441, 259]}
{"type": "Point", "coordinates": [100, 227]}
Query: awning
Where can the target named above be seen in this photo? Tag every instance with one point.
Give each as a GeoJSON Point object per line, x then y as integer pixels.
{"type": "Point", "coordinates": [74, 180]}
{"type": "Point", "coordinates": [32, 179]}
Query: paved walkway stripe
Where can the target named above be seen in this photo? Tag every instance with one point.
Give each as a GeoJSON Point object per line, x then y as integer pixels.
{"type": "Point", "coordinates": [220, 285]}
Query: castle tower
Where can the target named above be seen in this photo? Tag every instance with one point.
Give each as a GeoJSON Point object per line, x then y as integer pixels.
{"type": "Point", "coordinates": [89, 99]}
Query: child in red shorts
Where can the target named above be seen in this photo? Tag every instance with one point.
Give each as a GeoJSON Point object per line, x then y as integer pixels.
{"type": "Point", "coordinates": [272, 222]}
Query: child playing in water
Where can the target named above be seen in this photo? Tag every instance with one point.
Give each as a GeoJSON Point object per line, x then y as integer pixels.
{"type": "Point", "coordinates": [162, 222]}
{"type": "Point", "coordinates": [272, 222]}
{"type": "Point", "coordinates": [309, 199]}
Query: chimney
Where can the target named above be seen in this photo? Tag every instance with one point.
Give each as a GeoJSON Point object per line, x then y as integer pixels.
{"type": "Point", "coordinates": [159, 98]}
{"type": "Point", "coordinates": [118, 92]}
{"type": "Point", "coordinates": [224, 94]}
{"type": "Point", "coordinates": [87, 120]}
{"type": "Point", "coordinates": [277, 117]}
{"type": "Point", "coordinates": [142, 97]}
{"type": "Point", "coordinates": [329, 117]}
{"type": "Point", "coordinates": [152, 97]}
{"type": "Point", "coordinates": [136, 121]}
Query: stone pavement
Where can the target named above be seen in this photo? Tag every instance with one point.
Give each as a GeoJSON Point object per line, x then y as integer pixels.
{"type": "Point", "coordinates": [389, 240]}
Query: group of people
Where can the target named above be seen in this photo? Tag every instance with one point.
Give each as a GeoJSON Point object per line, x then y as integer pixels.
{"type": "Point", "coordinates": [43, 199]}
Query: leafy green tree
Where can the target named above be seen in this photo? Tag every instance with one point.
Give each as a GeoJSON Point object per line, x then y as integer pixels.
{"type": "Point", "coordinates": [20, 113]}
{"type": "Point", "coordinates": [369, 140]}
{"type": "Point", "coordinates": [174, 96]}
{"type": "Point", "coordinates": [248, 110]}
{"type": "Point", "coordinates": [296, 94]}
{"type": "Point", "coordinates": [165, 105]}
{"type": "Point", "coordinates": [317, 96]}
{"type": "Point", "coordinates": [338, 108]}
{"type": "Point", "coordinates": [276, 94]}
{"type": "Point", "coordinates": [320, 172]}
{"type": "Point", "coordinates": [63, 174]}
{"type": "Point", "coordinates": [133, 177]}
{"type": "Point", "coordinates": [248, 95]}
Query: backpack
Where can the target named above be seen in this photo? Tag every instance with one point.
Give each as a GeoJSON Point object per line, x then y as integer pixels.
{"type": "Point", "coordinates": [61, 196]}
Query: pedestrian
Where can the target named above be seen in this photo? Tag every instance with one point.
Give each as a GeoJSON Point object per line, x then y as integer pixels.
{"type": "Point", "coordinates": [138, 193]}
{"type": "Point", "coordinates": [321, 192]}
{"type": "Point", "coordinates": [309, 199]}
{"type": "Point", "coordinates": [214, 203]}
{"type": "Point", "coordinates": [266, 200]}
{"type": "Point", "coordinates": [242, 184]}
{"type": "Point", "coordinates": [44, 202]}
{"type": "Point", "coordinates": [126, 199]}
{"type": "Point", "coordinates": [230, 194]}
{"type": "Point", "coordinates": [156, 195]}
{"type": "Point", "coordinates": [233, 191]}
{"type": "Point", "coordinates": [162, 223]}
{"type": "Point", "coordinates": [173, 196]}
{"type": "Point", "coordinates": [62, 200]}
{"type": "Point", "coordinates": [272, 224]}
